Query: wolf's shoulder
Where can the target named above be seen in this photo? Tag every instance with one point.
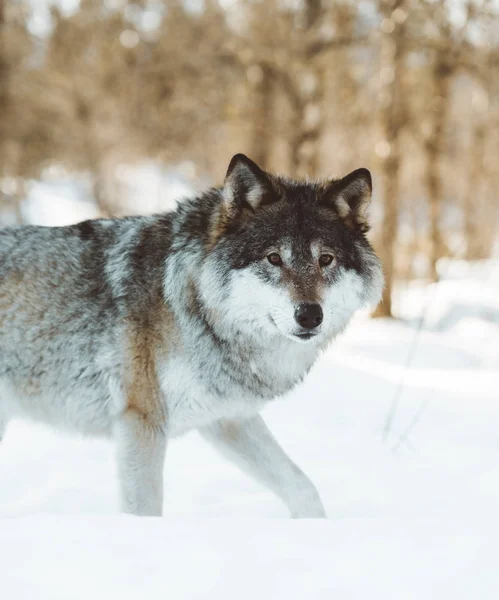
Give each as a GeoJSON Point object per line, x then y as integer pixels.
{"type": "Point", "coordinates": [128, 253]}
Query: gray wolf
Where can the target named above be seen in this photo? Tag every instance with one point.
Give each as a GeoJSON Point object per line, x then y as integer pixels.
{"type": "Point", "coordinates": [144, 328]}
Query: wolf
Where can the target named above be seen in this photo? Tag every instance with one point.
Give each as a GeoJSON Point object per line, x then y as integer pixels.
{"type": "Point", "coordinates": [144, 328]}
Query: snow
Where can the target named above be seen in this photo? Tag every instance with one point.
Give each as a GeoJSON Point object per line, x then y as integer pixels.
{"type": "Point", "coordinates": [148, 187]}
{"type": "Point", "coordinates": [128, 558]}
{"type": "Point", "coordinates": [412, 516]}
{"type": "Point", "coordinates": [145, 188]}
{"type": "Point", "coordinates": [59, 203]}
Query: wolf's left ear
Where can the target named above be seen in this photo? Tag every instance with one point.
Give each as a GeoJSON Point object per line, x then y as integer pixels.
{"type": "Point", "coordinates": [351, 196]}
{"type": "Point", "coordinates": [246, 185]}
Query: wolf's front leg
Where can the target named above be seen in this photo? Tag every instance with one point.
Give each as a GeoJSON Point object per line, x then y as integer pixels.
{"type": "Point", "coordinates": [254, 449]}
{"type": "Point", "coordinates": [141, 445]}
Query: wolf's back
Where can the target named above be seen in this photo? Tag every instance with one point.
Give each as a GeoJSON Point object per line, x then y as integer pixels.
{"type": "Point", "coordinates": [53, 294]}
{"type": "Point", "coordinates": [39, 265]}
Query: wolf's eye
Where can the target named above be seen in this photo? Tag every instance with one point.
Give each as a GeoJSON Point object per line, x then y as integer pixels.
{"type": "Point", "coordinates": [325, 259]}
{"type": "Point", "coordinates": [274, 259]}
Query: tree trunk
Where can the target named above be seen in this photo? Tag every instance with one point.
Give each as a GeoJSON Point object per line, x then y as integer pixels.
{"type": "Point", "coordinates": [4, 66]}
{"type": "Point", "coordinates": [308, 119]}
{"type": "Point", "coordinates": [386, 251]}
{"type": "Point", "coordinates": [434, 150]}
{"type": "Point", "coordinates": [262, 89]}
{"type": "Point", "coordinates": [4, 84]}
{"type": "Point", "coordinates": [308, 124]}
{"type": "Point", "coordinates": [476, 245]}
{"type": "Point", "coordinates": [388, 147]}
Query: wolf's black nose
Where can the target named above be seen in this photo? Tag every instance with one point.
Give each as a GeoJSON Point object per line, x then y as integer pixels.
{"type": "Point", "coordinates": [309, 315]}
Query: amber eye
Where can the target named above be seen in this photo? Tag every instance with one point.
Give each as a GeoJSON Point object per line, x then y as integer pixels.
{"type": "Point", "coordinates": [274, 259]}
{"type": "Point", "coordinates": [325, 259]}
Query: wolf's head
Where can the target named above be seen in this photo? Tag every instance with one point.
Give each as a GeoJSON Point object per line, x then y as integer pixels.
{"type": "Point", "coordinates": [288, 258]}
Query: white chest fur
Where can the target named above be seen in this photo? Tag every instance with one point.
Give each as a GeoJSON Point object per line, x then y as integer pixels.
{"type": "Point", "coordinates": [192, 402]}
{"type": "Point", "coordinates": [191, 405]}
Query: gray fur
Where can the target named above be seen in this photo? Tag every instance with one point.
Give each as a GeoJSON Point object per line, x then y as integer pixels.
{"type": "Point", "coordinates": [191, 293]}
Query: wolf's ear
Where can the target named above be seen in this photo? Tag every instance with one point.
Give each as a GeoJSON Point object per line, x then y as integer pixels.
{"type": "Point", "coordinates": [351, 196]}
{"type": "Point", "coordinates": [246, 185]}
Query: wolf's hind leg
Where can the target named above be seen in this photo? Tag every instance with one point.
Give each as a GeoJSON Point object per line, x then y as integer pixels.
{"type": "Point", "coordinates": [254, 449]}
{"type": "Point", "coordinates": [141, 445]}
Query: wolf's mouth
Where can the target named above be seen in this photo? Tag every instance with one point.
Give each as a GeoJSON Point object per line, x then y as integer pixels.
{"type": "Point", "coordinates": [305, 336]}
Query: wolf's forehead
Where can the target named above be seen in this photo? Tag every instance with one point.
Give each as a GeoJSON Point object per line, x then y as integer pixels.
{"type": "Point", "coordinates": [298, 191]}
{"type": "Point", "coordinates": [294, 249]}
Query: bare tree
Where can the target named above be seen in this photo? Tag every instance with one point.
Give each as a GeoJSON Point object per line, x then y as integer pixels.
{"type": "Point", "coordinates": [261, 87]}
{"type": "Point", "coordinates": [4, 67]}
{"type": "Point", "coordinates": [309, 92]}
{"type": "Point", "coordinates": [475, 240]}
{"type": "Point", "coordinates": [391, 121]}
{"type": "Point", "coordinates": [14, 46]}
{"type": "Point", "coordinates": [434, 146]}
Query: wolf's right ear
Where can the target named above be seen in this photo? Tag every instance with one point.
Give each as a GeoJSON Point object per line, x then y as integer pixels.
{"type": "Point", "coordinates": [246, 185]}
{"type": "Point", "coordinates": [351, 197]}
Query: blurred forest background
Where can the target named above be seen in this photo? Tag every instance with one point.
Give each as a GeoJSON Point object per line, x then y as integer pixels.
{"type": "Point", "coordinates": [120, 105]}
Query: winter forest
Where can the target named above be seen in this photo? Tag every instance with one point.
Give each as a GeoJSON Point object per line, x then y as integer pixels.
{"type": "Point", "coordinates": [90, 90]}
{"type": "Point", "coordinates": [124, 107]}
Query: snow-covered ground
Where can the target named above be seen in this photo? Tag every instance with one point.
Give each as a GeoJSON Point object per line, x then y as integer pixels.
{"type": "Point", "coordinates": [412, 515]}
